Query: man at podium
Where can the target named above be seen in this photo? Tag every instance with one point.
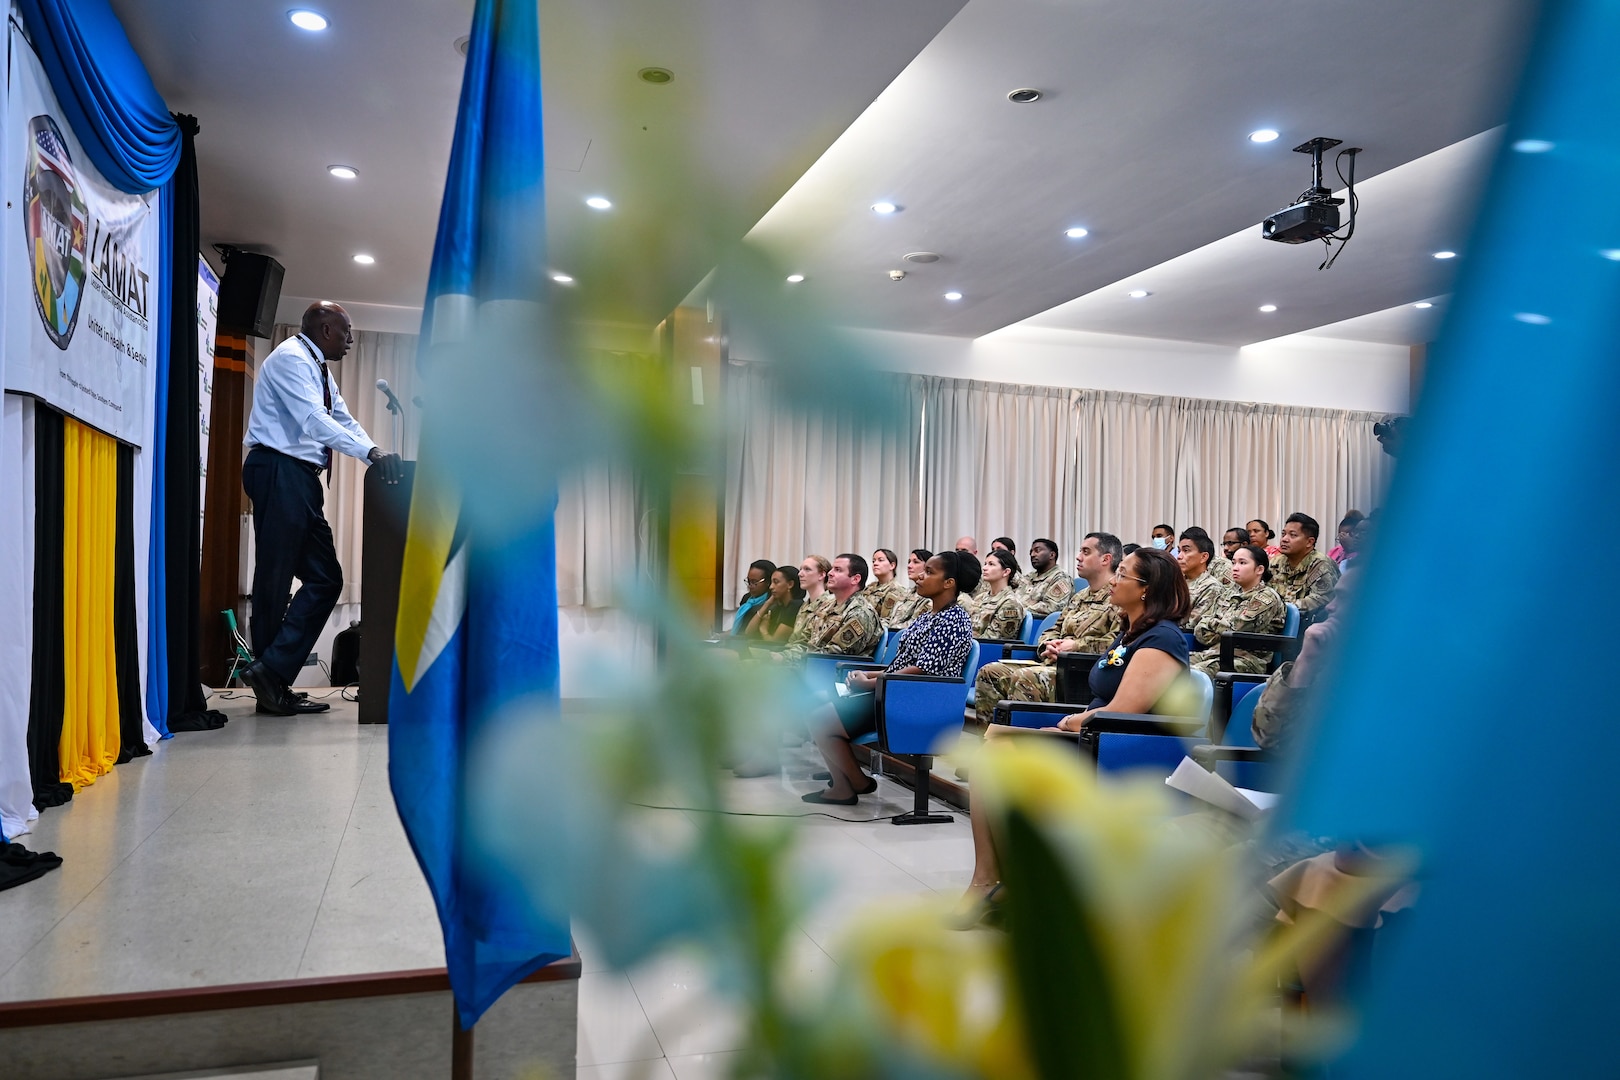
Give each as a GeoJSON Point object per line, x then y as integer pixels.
{"type": "Point", "coordinates": [298, 421]}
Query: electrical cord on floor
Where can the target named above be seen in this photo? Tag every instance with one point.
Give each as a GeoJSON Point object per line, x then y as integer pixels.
{"type": "Point", "coordinates": [761, 814]}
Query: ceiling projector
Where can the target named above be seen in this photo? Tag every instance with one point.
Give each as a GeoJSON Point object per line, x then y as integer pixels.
{"type": "Point", "coordinates": [1315, 214]}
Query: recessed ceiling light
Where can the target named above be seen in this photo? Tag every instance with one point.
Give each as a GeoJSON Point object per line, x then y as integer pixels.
{"type": "Point", "coordinates": [1264, 135]}
{"type": "Point", "coordinates": [953, 295]}
{"type": "Point", "coordinates": [1024, 95]}
{"type": "Point", "coordinates": [596, 202]}
{"type": "Point", "coordinates": [343, 172]}
{"type": "Point", "coordinates": [307, 20]}
{"type": "Point", "coordinates": [921, 257]}
{"type": "Point", "coordinates": [885, 208]}
{"type": "Point", "coordinates": [1268, 308]}
{"type": "Point", "coordinates": [1138, 294]}
{"type": "Point", "coordinates": [1423, 305]}
{"type": "Point", "coordinates": [656, 75]}
{"type": "Point", "coordinates": [1532, 318]}
{"type": "Point", "coordinates": [1532, 146]}
{"type": "Point", "coordinates": [1445, 254]}
{"type": "Point", "coordinates": [1076, 233]}
{"type": "Point", "coordinates": [365, 260]}
{"type": "Point", "coordinates": [794, 279]}
{"type": "Point", "coordinates": [563, 279]}
{"type": "Point", "coordinates": [462, 44]}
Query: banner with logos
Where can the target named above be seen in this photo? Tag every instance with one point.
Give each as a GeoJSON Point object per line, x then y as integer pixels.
{"type": "Point", "coordinates": [81, 268]}
{"type": "Point", "coordinates": [207, 321]}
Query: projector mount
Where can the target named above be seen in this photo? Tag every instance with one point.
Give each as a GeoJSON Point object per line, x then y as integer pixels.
{"type": "Point", "coordinates": [1315, 214]}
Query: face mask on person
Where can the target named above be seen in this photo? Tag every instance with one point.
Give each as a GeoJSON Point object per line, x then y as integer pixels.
{"type": "Point", "coordinates": [1161, 542]}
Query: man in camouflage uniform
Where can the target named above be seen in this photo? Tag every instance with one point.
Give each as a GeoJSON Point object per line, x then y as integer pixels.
{"type": "Point", "coordinates": [1303, 576]}
{"type": "Point", "coordinates": [1194, 552]}
{"type": "Point", "coordinates": [847, 624]}
{"type": "Point", "coordinates": [1090, 623]}
{"type": "Point", "coordinates": [1047, 588]}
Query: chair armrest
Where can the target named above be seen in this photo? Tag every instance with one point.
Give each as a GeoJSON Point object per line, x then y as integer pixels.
{"type": "Point", "coordinates": [1208, 755]}
{"type": "Point", "coordinates": [1232, 640]}
{"type": "Point", "coordinates": [857, 665]}
{"type": "Point", "coordinates": [1124, 723]}
{"type": "Point", "coordinates": [896, 677]}
{"type": "Point", "coordinates": [1033, 714]}
{"type": "Point", "coordinates": [1018, 651]}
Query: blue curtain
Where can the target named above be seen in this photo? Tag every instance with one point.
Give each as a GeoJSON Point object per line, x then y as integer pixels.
{"type": "Point", "coordinates": [126, 130]}
{"type": "Point", "coordinates": [103, 88]}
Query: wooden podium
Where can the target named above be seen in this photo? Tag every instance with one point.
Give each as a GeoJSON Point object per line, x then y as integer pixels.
{"type": "Point", "coordinates": [385, 511]}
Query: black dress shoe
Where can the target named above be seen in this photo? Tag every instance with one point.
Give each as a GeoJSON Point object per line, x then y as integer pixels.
{"type": "Point", "coordinates": [273, 697]}
{"type": "Point", "coordinates": [298, 704]}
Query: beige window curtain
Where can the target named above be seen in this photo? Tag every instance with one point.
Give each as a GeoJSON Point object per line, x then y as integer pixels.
{"type": "Point", "coordinates": [801, 483]}
{"type": "Point", "coordinates": [991, 459]}
{"type": "Point", "coordinates": [596, 518]}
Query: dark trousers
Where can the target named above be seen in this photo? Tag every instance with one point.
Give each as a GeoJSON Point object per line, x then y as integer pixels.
{"type": "Point", "coordinates": [292, 539]}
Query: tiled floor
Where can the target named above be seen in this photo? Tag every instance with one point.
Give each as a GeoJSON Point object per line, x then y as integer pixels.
{"type": "Point", "coordinates": [270, 850]}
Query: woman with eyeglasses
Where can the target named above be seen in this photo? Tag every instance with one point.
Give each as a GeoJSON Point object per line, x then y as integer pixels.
{"type": "Point", "coordinates": [757, 582]}
{"type": "Point", "coordinates": [999, 614]}
{"type": "Point", "coordinates": [906, 611]}
{"type": "Point", "coordinates": [1253, 607]}
{"type": "Point", "coordinates": [1146, 658]}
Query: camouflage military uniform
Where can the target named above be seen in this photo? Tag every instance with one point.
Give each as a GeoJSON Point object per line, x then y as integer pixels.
{"type": "Point", "coordinates": [999, 616]}
{"type": "Point", "coordinates": [1220, 568]}
{"type": "Point", "coordinates": [1308, 587]}
{"type": "Point", "coordinates": [1258, 611]}
{"type": "Point", "coordinates": [1042, 594]}
{"type": "Point", "coordinates": [1206, 595]}
{"type": "Point", "coordinates": [883, 598]}
{"type": "Point", "coordinates": [851, 629]}
{"type": "Point", "coordinates": [1089, 621]}
{"type": "Point", "coordinates": [808, 610]}
{"type": "Point", "coordinates": [906, 611]}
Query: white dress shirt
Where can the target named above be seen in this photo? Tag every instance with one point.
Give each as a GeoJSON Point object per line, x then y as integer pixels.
{"type": "Point", "coordinates": [289, 410]}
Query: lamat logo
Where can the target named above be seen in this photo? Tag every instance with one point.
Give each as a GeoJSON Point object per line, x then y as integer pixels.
{"type": "Point", "coordinates": [55, 213]}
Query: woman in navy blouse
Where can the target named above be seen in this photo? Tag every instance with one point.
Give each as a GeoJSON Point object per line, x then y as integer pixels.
{"type": "Point", "coordinates": [937, 643]}
{"type": "Point", "coordinates": [1149, 654]}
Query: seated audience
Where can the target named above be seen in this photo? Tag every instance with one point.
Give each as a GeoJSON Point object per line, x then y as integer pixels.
{"type": "Point", "coordinates": [1250, 607]}
{"type": "Point", "coordinates": [1000, 614]}
{"type": "Point", "coordinates": [1005, 543]}
{"type": "Point", "coordinates": [1220, 567]}
{"type": "Point", "coordinates": [1347, 530]}
{"type": "Point", "coordinates": [968, 544]}
{"type": "Point", "coordinates": [1194, 552]}
{"type": "Point", "coordinates": [846, 625]}
{"type": "Point", "coordinates": [1233, 539]}
{"type": "Point", "coordinates": [1132, 549]}
{"type": "Point", "coordinates": [758, 581]}
{"type": "Point", "coordinates": [1304, 576]}
{"type": "Point", "coordinates": [776, 618]}
{"type": "Point", "coordinates": [1146, 657]}
{"type": "Point", "coordinates": [1089, 623]}
{"type": "Point", "coordinates": [938, 643]}
{"type": "Point", "coordinates": [813, 580]}
{"type": "Point", "coordinates": [1047, 588]}
{"type": "Point", "coordinates": [907, 610]}
{"type": "Point", "coordinates": [1260, 533]}
{"type": "Point", "coordinates": [884, 591]}
{"type": "Point", "coordinates": [1164, 538]}
{"type": "Point", "coordinates": [1280, 710]}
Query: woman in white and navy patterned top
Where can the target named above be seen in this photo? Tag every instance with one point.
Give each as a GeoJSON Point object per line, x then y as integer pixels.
{"type": "Point", "coordinates": [937, 643]}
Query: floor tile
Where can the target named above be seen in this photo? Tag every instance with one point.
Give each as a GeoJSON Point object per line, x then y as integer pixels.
{"type": "Point", "coordinates": [612, 1025]}
{"type": "Point", "coordinates": [686, 1015]}
{"type": "Point", "coordinates": [651, 1069]}
{"type": "Point", "coordinates": [704, 1066]}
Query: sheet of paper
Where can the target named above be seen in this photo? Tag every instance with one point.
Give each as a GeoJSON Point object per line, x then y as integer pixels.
{"type": "Point", "coordinates": [1191, 778]}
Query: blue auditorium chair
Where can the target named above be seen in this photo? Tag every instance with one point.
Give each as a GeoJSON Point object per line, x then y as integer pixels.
{"type": "Point", "coordinates": [1283, 646]}
{"type": "Point", "coordinates": [915, 714]}
{"type": "Point", "coordinates": [888, 647]}
{"type": "Point", "coordinates": [1033, 634]}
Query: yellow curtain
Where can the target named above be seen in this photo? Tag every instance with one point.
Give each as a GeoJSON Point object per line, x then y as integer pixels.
{"type": "Point", "coordinates": [90, 738]}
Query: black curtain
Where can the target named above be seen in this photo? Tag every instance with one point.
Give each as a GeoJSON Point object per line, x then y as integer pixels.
{"type": "Point", "coordinates": [126, 646]}
{"type": "Point", "coordinates": [47, 698]}
{"type": "Point", "coordinates": [188, 708]}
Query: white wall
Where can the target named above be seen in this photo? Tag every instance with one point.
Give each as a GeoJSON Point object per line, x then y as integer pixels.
{"type": "Point", "coordinates": [1296, 370]}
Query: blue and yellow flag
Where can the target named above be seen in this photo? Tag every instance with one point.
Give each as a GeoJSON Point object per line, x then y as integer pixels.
{"type": "Point", "coordinates": [476, 638]}
{"type": "Point", "coordinates": [1473, 713]}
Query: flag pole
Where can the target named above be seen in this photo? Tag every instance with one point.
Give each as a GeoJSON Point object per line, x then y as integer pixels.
{"type": "Point", "coordinates": [461, 1047]}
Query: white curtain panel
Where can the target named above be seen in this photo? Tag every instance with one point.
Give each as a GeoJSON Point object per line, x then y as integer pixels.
{"type": "Point", "coordinates": [1025, 461]}
{"type": "Point", "coordinates": [801, 483]}
{"type": "Point", "coordinates": [16, 612]}
{"type": "Point", "coordinates": [596, 519]}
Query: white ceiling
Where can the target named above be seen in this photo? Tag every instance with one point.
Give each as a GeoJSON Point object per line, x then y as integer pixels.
{"type": "Point", "coordinates": [761, 88]}
{"type": "Point", "coordinates": [790, 117]}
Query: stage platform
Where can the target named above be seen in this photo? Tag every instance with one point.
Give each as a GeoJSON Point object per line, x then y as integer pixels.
{"type": "Point", "coordinates": [266, 859]}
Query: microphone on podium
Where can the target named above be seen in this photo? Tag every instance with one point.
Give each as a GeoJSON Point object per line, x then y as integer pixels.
{"type": "Point", "coordinates": [393, 402]}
